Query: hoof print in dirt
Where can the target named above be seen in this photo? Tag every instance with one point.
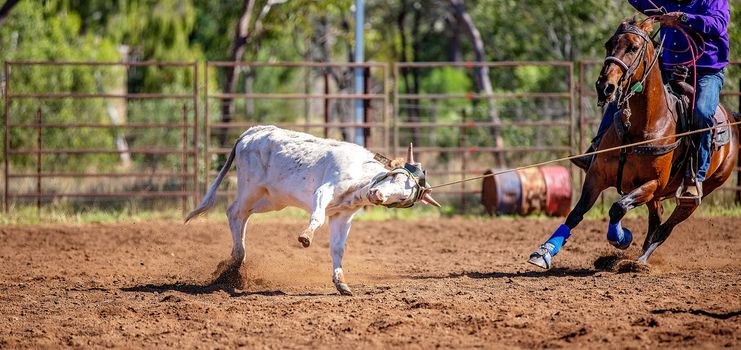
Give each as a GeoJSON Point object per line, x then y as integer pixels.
{"type": "Point", "coordinates": [227, 274]}
{"type": "Point", "coordinates": [619, 264]}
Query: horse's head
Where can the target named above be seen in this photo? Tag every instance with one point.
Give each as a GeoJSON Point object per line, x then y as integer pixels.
{"type": "Point", "coordinates": [626, 50]}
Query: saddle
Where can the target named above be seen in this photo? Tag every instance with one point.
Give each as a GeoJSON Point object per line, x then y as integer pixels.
{"type": "Point", "coordinates": [686, 161]}
{"type": "Point", "coordinates": [683, 93]}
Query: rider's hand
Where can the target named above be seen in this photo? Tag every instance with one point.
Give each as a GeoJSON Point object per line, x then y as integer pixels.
{"type": "Point", "coordinates": [671, 19]}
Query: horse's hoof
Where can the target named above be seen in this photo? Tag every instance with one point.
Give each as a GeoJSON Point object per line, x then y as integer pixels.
{"type": "Point", "coordinates": [541, 258]}
{"type": "Point", "coordinates": [305, 239]}
{"type": "Point", "coordinates": [625, 242]}
{"type": "Point", "coordinates": [343, 288]}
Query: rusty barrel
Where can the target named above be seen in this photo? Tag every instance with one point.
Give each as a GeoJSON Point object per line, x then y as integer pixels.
{"type": "Point", "coordinates": [558, 190]}
{"type": "Point", "coordinates": [533, 199]}
{"type": "Point", "coordinates": [501, 194]}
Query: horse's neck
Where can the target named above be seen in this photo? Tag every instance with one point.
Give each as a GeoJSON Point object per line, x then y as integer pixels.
{"type": "Point", "coordinates": [650, 110]}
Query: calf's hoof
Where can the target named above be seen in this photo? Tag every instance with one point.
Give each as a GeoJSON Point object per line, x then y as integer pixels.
{"type": "Point", "coordinates": [541, 258]}
{"type": "Point", "coordinates": [305, 238]}
{"type": "Point", "coordinates": [343, 288]}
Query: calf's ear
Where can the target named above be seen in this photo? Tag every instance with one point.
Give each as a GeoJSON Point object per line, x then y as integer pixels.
{"type": "Point", "coordinates": [397, 162]}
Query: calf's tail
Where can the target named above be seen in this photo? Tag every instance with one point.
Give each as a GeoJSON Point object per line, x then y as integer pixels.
{"type": "Point", "coordinates": [208, 201]}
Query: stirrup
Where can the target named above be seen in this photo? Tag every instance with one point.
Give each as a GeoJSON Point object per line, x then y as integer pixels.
{"type": "Point", "coordinates": [686, 199]}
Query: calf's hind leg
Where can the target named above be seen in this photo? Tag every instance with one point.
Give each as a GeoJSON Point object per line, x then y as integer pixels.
{"type": "Point", "coordinates": [238, 215]}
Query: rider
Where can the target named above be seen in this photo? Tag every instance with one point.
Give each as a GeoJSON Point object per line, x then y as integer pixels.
{"type": "Point", "coordinates": [708, 19]}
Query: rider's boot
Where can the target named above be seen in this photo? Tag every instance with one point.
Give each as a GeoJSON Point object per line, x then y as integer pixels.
{"type": "Point", "coordinates": [584, 162]}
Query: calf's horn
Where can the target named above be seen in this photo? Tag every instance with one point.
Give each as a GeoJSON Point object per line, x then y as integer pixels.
{"type": "Point", "coordinates": [428, 198]}
{"type": "Point", "coordinates": [410, 154]}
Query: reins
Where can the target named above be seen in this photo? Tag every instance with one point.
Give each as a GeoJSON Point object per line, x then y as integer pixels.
{"type": "Point", "coordinates": [622, 125]}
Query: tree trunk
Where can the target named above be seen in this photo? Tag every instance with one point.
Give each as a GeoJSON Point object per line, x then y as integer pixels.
{"type": "Point", "coordinates": [483, 81]}
{"type": "Point", "coordinates": [322, 40]}
{"type": "Point", "coordinates": [232, 75]}
{"type": "Point", "coordinates": [454, 41]}
{"type": "Point", "coordinates": [410, 76]}
{"type": "Point", "coordinates": [242, 35]}
{"type": "Point", "coordinates": [5, 10]}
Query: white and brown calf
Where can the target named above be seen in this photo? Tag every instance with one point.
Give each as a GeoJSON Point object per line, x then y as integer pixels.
{"type": "Point", "coordinates": [278, 168]}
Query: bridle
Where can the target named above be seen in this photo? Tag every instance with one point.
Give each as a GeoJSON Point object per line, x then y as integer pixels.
{"type": "Point", "coordinates": [622, 125]}
{"type": "Point", "coordinates": [629, 71]}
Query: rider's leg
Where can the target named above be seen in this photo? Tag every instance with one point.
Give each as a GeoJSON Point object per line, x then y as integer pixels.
{"type": "Point", "coordinates": [706, 102]}
{"type": "Point", "coordinates": [607, 119]}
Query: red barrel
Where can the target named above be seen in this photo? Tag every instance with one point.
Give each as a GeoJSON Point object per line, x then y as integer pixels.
{"type": "Point", "coordinates": [558, 190]}
{"type": "Point", "coordinates": [501, 194]}
{"type": "Point", "coordinates": [533, 191]}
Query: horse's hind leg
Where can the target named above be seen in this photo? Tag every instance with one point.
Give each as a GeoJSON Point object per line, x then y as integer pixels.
{"type": "Point", "coordinates": [617, 235]}
{"type": "Point", "coordinates": [591, 190]}
{"type": "Point", "coordinates": [655, 238]}
{"type": "Point", "coordinates": [655, 211]}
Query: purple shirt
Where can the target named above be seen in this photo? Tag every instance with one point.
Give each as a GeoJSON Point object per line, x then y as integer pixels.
{"type": "Point", "coordinates": [707, 18]}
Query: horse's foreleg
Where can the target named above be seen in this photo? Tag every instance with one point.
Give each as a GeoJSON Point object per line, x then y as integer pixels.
{"type": "Point", "coordinates": [617, 235]}
{"type": "Point", "coordinates": [655, 238]}
{"type": "Point", "coordinates": [591, 190]}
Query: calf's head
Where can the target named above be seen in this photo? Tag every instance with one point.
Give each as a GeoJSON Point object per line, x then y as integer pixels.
{"type": "Point", "coordinates": [402, 186]}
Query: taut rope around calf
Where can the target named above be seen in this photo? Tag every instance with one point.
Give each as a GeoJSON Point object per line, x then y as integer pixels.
{"type": "Point", "coordinates": [587, 154]}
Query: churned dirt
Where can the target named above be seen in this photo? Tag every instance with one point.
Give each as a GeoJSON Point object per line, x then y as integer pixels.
{"type": "Point", "coordinates": [450, 283]}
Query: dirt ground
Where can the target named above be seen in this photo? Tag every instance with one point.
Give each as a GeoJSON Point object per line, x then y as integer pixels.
{"type": "Point", "coordinates": [447, 283]}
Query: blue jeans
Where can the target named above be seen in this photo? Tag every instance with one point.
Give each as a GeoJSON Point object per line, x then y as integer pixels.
{"type": "Point", "coordinates": [707, 97]}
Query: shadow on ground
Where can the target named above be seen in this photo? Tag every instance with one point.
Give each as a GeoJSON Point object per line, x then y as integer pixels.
{"type": "Point", "coordinates": [555, 272]}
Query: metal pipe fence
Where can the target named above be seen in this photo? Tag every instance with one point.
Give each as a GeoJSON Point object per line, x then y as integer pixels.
{"type": "Point", "coordinates": [471, 156]}
{"type": "Point", "coordinates": [450, 125]}
{"type": "Point", "coordinates": [184, 120]}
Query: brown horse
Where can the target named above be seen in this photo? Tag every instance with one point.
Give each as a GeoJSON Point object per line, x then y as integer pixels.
{"type": "Point", "coordinates": [631, 76]}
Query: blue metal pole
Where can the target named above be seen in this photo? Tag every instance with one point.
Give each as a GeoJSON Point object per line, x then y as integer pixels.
{"type": "Point", "coordinates": [359, 58]}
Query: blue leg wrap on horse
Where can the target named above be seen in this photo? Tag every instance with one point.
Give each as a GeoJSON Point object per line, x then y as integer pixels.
{"type": "Point", "coordinates": [558, 238]}
{"type": "Point", "coordinates": [618, 236]}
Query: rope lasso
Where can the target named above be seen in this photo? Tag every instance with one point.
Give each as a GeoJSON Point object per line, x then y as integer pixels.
{"type": "Point", "coordinates": [616, 148]}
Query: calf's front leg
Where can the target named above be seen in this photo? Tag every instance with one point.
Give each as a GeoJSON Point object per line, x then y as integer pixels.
{"type": "Point", "coordinates": [321, 199]}
{"type": "Point", "coordinates": [339, 228]}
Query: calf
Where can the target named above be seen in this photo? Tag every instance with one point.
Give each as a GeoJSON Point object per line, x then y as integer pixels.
{"type": "Point", "coordinates": [278, 168]}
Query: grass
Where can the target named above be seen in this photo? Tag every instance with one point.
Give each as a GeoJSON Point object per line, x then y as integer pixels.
{"type": "Point", "coordinates": [66, 215]}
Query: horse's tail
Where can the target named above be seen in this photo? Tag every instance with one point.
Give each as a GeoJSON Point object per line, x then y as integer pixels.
{"type": "Point", "coordinates": [208, 201]}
